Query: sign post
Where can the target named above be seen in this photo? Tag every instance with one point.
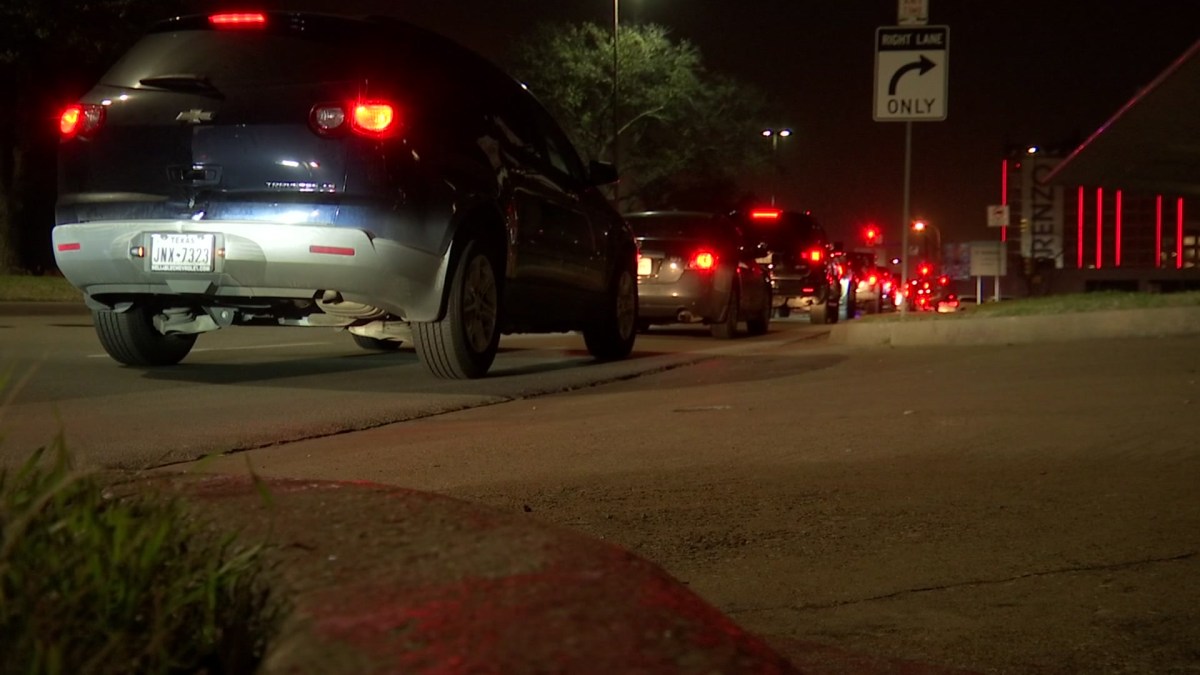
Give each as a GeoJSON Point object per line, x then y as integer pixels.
{"type": "Point", "coordinates": [911, 67]}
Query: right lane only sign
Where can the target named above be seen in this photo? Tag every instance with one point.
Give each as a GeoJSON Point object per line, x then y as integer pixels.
{"type": "Point", "coordinates": [912, 66]}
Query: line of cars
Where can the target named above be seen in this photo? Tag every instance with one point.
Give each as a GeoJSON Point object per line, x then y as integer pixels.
{"type": "Point", "coordinates": [298, 169]}
{"type": "Point", "coordinates": [750, 265]}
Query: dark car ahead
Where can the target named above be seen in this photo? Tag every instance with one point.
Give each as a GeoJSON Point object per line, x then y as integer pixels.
{"type": "Point", "coordinates": [798, 258]}
{"type": "Point", "coordinates": [697, 267]}
{"type": "Point", "coordinates": [308, 170]}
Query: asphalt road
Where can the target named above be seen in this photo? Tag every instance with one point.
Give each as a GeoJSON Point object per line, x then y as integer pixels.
{"type": "Point", "coordinates": [1026, 508]}
{"type": "Point", "coordinates": [246, 388]}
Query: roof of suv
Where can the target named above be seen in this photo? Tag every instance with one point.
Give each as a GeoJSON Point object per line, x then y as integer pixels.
{"type": "Point", "coordinates": [301, 46]}
{"type": "Point", "coordinates": [777, 227]}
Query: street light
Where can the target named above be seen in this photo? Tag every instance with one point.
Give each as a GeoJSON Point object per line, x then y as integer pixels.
{"type": "Point", "coordinates": [921, 226]}
{"type": "Point", "coordinates": [775, 135]}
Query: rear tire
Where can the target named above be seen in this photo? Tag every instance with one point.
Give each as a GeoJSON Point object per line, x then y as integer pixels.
{"type": "Point", "coordinates": [819, 314]}
{"type": "Point", "coordinates": [611, 338]}
{"type": "Point", "coordinates": [759, 324]}
{"type": "Point", "coordinates": [463, 344]}
{"type": "Point", "coordinates": [727, 328]}
{"type": "Point", "coordinates": [130, 338]}
{"type": "Point", "coordinates": [375, 344]}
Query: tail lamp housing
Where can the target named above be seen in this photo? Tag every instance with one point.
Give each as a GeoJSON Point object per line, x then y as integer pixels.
{"type": "Point", "coordinates": [371, 118]}
{"type": "Point", "coordinates": [80, 120]}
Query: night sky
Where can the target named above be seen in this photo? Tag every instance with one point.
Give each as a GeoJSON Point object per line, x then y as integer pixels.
{"type": "Point", "coordinates": [1021, 71]}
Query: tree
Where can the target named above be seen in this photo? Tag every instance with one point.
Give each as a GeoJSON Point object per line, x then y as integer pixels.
{"type": "Point", "coordinates": [685, 134]}
{"type": "Point", "coordinates": [50, 53]}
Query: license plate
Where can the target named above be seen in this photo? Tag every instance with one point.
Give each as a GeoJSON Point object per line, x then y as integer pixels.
{"type": "Point", "coordinates": [645, 267]}
{"type": "Point", "coordinates": [182, 252]}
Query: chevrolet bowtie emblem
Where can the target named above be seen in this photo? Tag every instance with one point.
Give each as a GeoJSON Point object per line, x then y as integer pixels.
{"type": "Point", "coordinates": [194, 116]}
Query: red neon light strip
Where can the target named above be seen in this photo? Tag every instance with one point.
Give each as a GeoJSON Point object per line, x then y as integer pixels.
{"type": "Point", "coordinates": [1179, 234]}
{"type": "Point", "coordinates": [1099, 226]}
{"type": "Point", "coordinates": [1079, 237]}
{"type": "Point", "coordinates": [1003, 195]}
{"type": "Point", "coordinates": [1117, 253]}
{"type": "Point", "coordinates": [1158, 231]}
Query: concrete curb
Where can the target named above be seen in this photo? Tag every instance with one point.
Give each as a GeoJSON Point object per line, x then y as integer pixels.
{"type": "Point", "coordinates": [957, 330]}
{"type": "Point", "coordinates": [383, 579]}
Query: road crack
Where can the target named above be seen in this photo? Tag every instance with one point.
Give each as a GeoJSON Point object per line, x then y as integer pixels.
{"type": "Point", "coordinates": [1129, 564]}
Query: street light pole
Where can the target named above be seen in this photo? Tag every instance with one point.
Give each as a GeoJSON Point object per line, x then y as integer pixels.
{"type": "Point", "coordinates": [775, 135]}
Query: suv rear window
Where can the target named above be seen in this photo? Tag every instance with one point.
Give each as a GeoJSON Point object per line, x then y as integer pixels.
{"type": "Point", "coordinates": [234, 58]}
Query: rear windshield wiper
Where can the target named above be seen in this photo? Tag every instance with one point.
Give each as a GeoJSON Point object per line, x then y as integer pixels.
{"type": "Point", "coordinates": [198, 84]}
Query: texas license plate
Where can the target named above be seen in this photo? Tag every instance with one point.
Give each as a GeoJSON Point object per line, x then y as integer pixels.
{"type": "Point", "coordinates": [173, 252]}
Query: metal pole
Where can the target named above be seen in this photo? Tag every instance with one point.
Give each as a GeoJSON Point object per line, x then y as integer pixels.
{"type": "Point", "coordinates": [904, 224]}
{"type": "Point", "coordinates": [775, 161]}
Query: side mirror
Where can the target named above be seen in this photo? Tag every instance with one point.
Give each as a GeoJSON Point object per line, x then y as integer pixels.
{"type": "Point", "coordinates": [602, 173]}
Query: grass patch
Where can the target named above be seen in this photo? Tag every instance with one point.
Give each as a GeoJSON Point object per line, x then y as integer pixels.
{"type": "Point", "coordinates": [1082, 302]}
{"type": "Point", "coordinates": [98, 577]}
{"type": "Point", "coordinates": [1051, 304]}
{"type": "Point", "coordinates": [30, 288]}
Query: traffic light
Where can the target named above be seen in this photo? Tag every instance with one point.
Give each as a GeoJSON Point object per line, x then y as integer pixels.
{"type": "Point", "coordinates": [873, 235]}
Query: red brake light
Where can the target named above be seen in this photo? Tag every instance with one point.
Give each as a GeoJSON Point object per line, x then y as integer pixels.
{"type": "Point", "coordinates": [872, 280]}
{"type": "Point", "coordinates": [814, 255]}
{"type": "Point", "coordinates": [80, 119]}
{"type": "Point", "coordinates": [238, 20]}
{"type": "Point", "coordinates": [703, 260]}
{"type": "Point", "coordinates": [373, 118]}
{"type": "Point", "coordinates": [765, 214]}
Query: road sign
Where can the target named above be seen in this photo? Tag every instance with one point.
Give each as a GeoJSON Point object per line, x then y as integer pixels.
{"type": "Point", "coordinates": [997, 215]}
{"type": "Point", "coordinates": [912, 12]}
{"type": "Point", "coordinates": [988, 259]}
{"type": "Point", "coordinates": [912, 66]}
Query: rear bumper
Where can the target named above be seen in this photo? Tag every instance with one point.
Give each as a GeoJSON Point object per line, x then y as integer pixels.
{"type": "Point", "coordinates": [253, 261]}
{"type": "Point", "coordinates": [799, 294]}
{"type": "Point", "coordinates": [690, 299]}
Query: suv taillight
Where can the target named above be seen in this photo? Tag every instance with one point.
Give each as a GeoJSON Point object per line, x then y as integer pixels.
{"type": "Point", "coordinates": [80, 119]}
{"type": "Point", "coordinates": [814, 255]}
{"type": "Point", "coordinates": [373, 118]}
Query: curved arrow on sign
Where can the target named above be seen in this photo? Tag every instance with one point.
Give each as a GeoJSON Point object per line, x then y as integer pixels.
{"type": "Point", "coordinates": [924, 65]}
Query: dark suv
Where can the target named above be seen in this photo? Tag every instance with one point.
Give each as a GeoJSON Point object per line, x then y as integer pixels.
{"type": "Point", "coordinates": [798, 260]}
{"type": "Point", "coordinates": [308, 170]}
